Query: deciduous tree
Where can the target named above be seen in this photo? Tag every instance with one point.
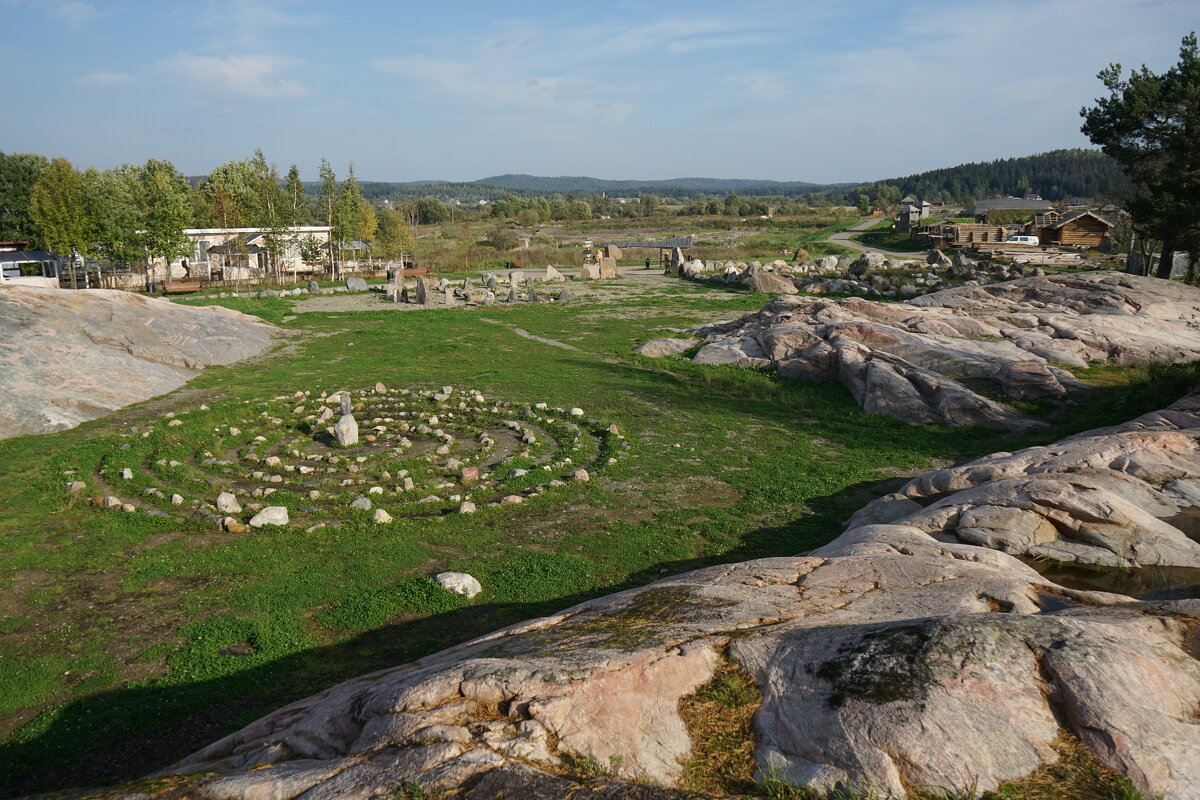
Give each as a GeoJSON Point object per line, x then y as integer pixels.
{"type": "Point", "coordinates": [56, 206]}
{"type": "Point", "coordinates": [165, 208]}
{"type": "Point", "coordinates": [19, 172]}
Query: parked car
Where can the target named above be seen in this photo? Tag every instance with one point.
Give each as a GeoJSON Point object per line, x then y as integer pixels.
{"type": "Point", "coordinates": [1033, 240]}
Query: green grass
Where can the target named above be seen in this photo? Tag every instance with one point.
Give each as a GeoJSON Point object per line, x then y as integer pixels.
{"type": "Point", "coordinates": [883, 237]}
{"type": "Point", "coordinates": [130, 640]}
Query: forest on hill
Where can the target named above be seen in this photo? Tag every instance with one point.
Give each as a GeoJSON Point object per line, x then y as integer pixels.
{"type": "Point", "coordinates": [1055, 175]}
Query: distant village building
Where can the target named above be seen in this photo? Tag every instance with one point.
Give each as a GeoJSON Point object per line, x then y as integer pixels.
{"type": "Point", "coordinates": [238, 253]}
{"type": "Point", "coordinates": [1073, 229]}
{"type": "Point", "coordinates": [912, 213]}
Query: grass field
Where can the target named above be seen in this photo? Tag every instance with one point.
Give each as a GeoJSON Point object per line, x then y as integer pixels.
{"type": "Point", "coordinates": [454, 246]}
{"type": "Point", "coordinates": [885, 238]}
{"type": "Point", "coordinates": [129, 640]}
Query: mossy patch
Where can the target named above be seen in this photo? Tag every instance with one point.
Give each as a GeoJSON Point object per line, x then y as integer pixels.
{"type": "Point", "coordinates": [645, 621]}
{"type": "Point", "coordinates": [719, 718]}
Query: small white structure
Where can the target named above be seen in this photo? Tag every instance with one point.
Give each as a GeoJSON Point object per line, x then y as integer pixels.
{"type": "Point", "coordinates": [28, 266]}
{"type": "Point", "coordinates": [241, 253]}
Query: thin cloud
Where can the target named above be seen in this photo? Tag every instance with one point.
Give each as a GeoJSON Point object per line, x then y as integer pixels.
{"type": "Point", "coordinates": [76, 14]}
{"type": "Point", "coordinates": [253, 15]}
{"type": "Point", "coordinates": [254, 75]}
{"type": "Point", "coordinates": [106, 79]}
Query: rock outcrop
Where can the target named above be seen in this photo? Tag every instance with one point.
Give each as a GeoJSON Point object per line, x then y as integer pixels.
{"type": "Point", "coordinates": [912, 651]}
{"type": "Point", "coordinates": [71, 356]}
{"type": "Point", "coordinates": [923, 360]}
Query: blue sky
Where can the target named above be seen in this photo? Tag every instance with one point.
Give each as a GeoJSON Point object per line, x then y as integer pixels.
{"type": "Point", "coordinates": [817, 91]}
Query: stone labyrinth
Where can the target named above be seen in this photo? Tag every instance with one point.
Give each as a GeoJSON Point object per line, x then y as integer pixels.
{"type": "Point", "coordinates": [312, 460]}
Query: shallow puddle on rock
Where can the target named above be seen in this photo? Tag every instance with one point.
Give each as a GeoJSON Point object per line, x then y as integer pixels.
{"type": "Point", "coordinates": [1144, 583]}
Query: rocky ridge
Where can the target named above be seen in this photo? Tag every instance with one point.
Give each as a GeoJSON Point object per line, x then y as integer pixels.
{"type": "Point", "coordinates": [865, 274]}
{"type": "Point", "coordinates": [71, 356]}
{"type": "Point", "coordinates": [914, 650]}
{"type": "Point", "coordinates": [936, 358]}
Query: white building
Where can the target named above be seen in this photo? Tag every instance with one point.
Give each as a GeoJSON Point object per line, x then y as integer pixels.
{"type": "Point", "coordinates": [240, 254]}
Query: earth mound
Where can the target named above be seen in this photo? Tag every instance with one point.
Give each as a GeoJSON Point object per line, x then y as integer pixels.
{"type": "Point", "coordinates": [936, 358]}
{"type": "Point", "coordinates": [916, 652]}
{"type": "Point", "coordinates": [72, 356]}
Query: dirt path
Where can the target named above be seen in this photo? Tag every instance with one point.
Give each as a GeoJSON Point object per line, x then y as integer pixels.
{"type": "Point", "coordinates": [843, 238]}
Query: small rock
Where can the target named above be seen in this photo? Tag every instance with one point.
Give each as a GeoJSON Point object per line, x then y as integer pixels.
{"type": "Point", "coordinates": [460, 583]}
{"type": "Point", "coordinates": [361, 503]}
{"type": "Point", "coordinates": [127, 474]}
{"type": "Point", "coordinates": [271, 515]}
{"type": "Point", "coordinates": [581, 475]}
{"type": "Point", "coordinates": [380, 516]}
{"type": "Point", "coordinates": [227, 503]}
{"type": "Point", "coordinates": [467, 507]}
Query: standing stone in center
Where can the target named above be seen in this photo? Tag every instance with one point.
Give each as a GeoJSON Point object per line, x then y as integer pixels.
{"type": "Point", "coordinates": [346, 430]}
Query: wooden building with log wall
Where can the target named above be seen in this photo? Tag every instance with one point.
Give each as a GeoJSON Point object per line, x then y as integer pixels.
{"type": "Point", "coordinates": [1082, 229]}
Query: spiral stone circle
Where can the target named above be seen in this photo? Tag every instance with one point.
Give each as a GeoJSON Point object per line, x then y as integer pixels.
{"type": "Point", "coordinates": [417, 454]}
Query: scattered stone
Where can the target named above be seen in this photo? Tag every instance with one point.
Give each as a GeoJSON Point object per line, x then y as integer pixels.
{"type": "Point", "coordinates": [227, 503]}
{"type": "Point", "coordinates": [581, 475]}
{"type": "Point", "coordinates": [770, 283]}
{"type": "Point", "coordinates": [356, 285]}
{"type": "Point", "coordinates": [127, 474]}
{"type": "Point", "coordinates": [661, 348]}
{"type": "Point", "coordinates": [361, 503]}
{"type": "Point", "coordinates": [271, 515]}
{"type": "Point", "coordinates": [466, 507]}
{"type": "Point", "coordinates": [381, 517]}
{"type": "Point", "coordinates": [75, 487]}
{"type": "Point", "coordinates": [459, 583]}
{"type": "Point", "coordinates": [232, 525]}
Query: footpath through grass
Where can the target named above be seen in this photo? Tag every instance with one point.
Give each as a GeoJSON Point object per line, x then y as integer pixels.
{"type": "Point", "coordinates": [129, 640]}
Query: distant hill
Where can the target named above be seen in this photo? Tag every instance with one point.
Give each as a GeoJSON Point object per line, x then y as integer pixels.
{"type": "Point", "coordinates": [585, 185]}
{"type": "Point", "coordinates": [1056, 175]}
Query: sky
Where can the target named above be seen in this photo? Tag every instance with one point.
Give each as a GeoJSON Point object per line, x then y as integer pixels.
{"type": "Point", "coordinates": [765, 89]}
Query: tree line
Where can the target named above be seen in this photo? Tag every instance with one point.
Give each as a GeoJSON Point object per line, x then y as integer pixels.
{"type": "Point", "coordinates": [128, 214]}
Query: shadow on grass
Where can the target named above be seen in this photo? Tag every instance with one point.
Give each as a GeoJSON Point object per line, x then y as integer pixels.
{"type": "Point", "coordinates": [125, 733]}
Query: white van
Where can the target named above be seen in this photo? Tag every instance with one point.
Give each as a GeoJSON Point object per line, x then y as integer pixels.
{"type": "Point", "coordinates": [1033, 240]}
